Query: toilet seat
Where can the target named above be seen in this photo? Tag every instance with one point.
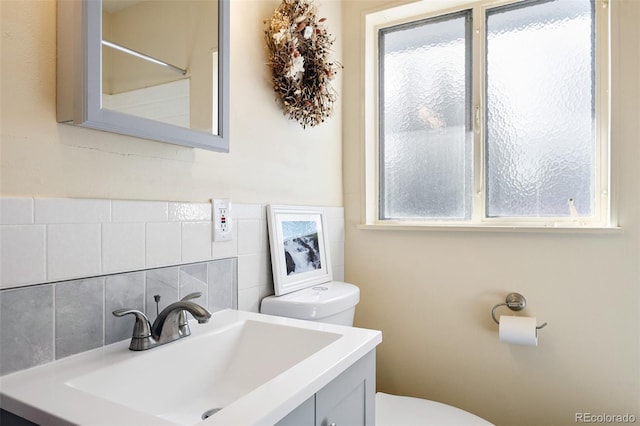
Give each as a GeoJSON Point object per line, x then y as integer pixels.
{"type": "Point", "coordinates": [393, 410]}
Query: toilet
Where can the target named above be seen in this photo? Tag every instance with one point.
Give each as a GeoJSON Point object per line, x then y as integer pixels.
{"type": "Point", "coordinates": [394, 410]}
{"type": "Point", "coordinates": [335, 302]}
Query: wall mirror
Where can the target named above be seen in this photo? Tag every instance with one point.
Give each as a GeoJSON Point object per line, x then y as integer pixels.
{"type": "Point", "coordinates": [156, 69]}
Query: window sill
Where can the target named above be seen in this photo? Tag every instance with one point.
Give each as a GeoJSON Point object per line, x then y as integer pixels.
{"type": "Point", "coordinates": [557, 228]}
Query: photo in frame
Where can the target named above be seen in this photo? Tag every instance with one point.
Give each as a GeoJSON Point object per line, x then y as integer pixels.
{"type": "Point", "coordinates": [299, 249]}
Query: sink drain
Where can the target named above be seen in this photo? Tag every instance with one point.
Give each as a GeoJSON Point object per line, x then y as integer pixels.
{"type": "Point", "coordinates": [210, 413]}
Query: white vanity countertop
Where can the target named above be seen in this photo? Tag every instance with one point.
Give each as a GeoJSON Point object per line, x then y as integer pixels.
{"type": "Point", "coordinates": [44, 395]}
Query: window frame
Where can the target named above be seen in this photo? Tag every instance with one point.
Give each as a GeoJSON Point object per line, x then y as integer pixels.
{"type": "Point", "coordinates": [375, 21]}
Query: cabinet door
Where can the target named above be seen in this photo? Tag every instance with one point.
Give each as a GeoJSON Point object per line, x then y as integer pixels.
{"type": "Point", "coordinates": [349, 399]}
{"type": "Point", "coordinates": [304, 415]}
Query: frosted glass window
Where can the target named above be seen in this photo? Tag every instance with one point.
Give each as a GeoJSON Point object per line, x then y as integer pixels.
{"type": "Point", "coordinates": [495, 115]}
{"type": "Point", "coordinates": [540, 109]}
{"type": "Point", "coordinates": [426, 154]}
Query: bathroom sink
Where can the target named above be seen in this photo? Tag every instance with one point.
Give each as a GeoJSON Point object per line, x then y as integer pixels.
{"type": "Point", "coordinates": [205, 373]}
{"type": "Point", "coordinates": [240, 368]}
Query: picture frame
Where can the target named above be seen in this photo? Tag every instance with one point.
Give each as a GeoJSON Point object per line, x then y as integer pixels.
{"type": "Point", "coordinates": [300, 255]}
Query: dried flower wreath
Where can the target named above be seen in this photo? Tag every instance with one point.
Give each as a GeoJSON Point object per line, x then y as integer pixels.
{"type": "Point", "coordinates": [301, 71]}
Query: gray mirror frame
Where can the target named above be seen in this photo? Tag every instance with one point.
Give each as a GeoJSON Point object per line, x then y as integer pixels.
{"type": "Point", "coordinates": [79, 99]}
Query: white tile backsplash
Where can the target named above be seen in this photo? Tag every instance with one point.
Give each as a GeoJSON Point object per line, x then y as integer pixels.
{"type": "Point", "coordinates": [225, 249]}
{"type": "Point", "coordinates": [337, 252]}
{"type": "Point", "coordinates": [247, 211]}
{"type": "Point", "coordinates": [75, 238]}
{"type": "Point", "coordinates": [139, 211]}
{"type": "Point", "coordinates": [249, 269]}
{"type": "Point", "coordinates": [163, 244]}
{"type": "Point", "coordinates": [189, 212]}
{"type": "Point", "coordinates": [249, 299]}
{"type": "Point", "coordinates": [335, 229]}
{"type": "Point", "coordinates": [196, 241]}
{"type": "Point", "coordinates": [22, 254]}
{"type": "Point", "coordinates": [123, 247]}
{"type": "Point", "coordinates": [73, 250]}
{"type": "Point", "coordinates": [264, 236]}
{"type": "Point", "coordinates": [338, 273]}
{"type": "Point", "coordinates": [249, 236]}
{"type": "Point", "coordinates": [72, 210]}
{"type": "Point", "coordinates": [16, 211]}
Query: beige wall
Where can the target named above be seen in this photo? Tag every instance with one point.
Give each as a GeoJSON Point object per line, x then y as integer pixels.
{"type": "Point", "coordinates": [431, 293]}
{"type": "Point", "coordinates": [272, 159]}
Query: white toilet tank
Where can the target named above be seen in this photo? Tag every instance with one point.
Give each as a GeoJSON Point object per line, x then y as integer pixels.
{"type": "Point", "coordinates": [333, 302]}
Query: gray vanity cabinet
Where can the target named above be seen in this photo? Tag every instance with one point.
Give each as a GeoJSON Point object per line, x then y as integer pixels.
{"type": "Point", "coordinates": [348, 400]}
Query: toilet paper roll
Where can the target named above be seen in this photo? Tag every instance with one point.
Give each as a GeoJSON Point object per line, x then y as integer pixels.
{"type": "Point", "coordinates": [518, 330]}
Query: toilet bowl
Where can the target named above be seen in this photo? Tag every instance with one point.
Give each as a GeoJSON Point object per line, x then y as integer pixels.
{"type": "Point", "coordinates": [335, 302]}
{"type": "Point", "coordinates": [393, 410]}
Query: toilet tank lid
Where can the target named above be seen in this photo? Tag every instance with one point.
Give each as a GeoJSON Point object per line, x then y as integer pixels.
{"type": "Point", "coordinates": [313, 303]}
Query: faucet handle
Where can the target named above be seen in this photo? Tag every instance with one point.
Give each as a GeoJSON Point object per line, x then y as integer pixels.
{"type": "Point", "coordinates": [183, 324]}
{"type": "Point", "coordinates": [141, 338]}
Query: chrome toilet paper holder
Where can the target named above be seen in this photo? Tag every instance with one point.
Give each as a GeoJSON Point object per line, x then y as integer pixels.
{"type": "Point", "coordinates": [515, 302]}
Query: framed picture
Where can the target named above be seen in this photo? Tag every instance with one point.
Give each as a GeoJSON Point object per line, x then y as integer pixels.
{"type": "Point", "coordinates": [299, 249]}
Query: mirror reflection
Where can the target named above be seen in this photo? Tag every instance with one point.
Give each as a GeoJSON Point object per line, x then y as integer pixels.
{"type": "Point", "coordinates": [160, 60]}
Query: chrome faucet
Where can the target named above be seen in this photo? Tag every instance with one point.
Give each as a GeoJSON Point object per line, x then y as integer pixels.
{"type": "Point", "coordinates": [171, 323]}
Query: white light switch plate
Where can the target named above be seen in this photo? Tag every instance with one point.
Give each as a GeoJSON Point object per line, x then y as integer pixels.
{"type": "Point", "coordinates": [221, 219]}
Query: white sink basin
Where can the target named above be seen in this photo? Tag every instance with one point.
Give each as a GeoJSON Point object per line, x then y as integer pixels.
{"type": "Point", "coordinates": [255, 368]}
{"type": "Point", "coordinates": [204, 373]}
